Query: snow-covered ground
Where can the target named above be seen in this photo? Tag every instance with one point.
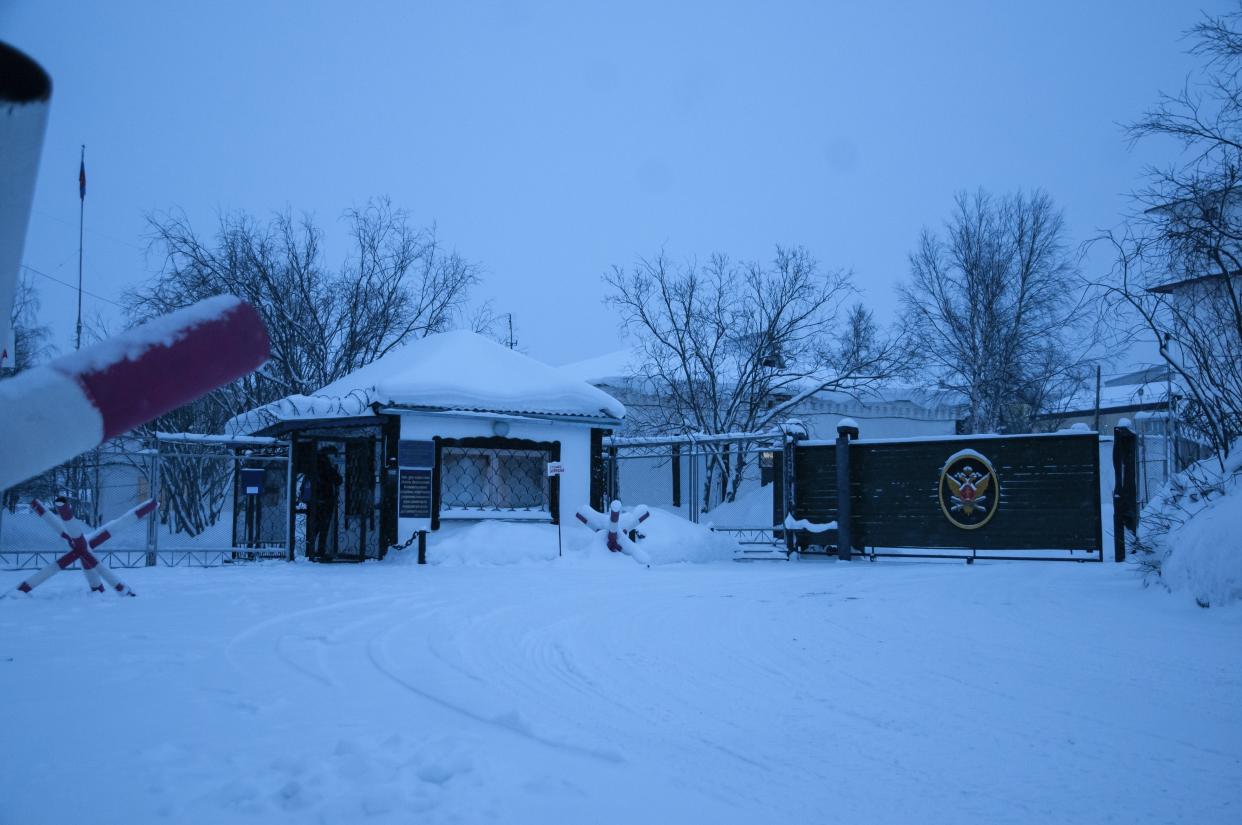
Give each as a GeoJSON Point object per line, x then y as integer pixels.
{"type": "Point", "coordinates": [602, 691]}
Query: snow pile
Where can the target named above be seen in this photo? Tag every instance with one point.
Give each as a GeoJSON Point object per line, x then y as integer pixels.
{"type": "Point", "coordinates": [1189, 533]}
{"type": "Point", "coordinates": [665, 539]}
{"type": "Point", "coordinates": [457, 370]}
{"type": "Point", "coordinates": [792, 523]}
{"type": "Point", "coordinates": [486, 543]}
{"type": "Point", "coordinates": [752, 508]}
{"type": "Point", "coordinates": [669, 539]}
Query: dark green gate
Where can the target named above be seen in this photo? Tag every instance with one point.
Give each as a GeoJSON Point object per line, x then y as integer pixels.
{"type": "Point", "coordinates": [987, 497]}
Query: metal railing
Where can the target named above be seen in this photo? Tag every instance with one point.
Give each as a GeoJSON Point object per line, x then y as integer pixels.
{"type": "Point", "coordinates": [205, 515]}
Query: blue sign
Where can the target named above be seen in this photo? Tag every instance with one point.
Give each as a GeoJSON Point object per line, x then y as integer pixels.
{"type": "Point", "coordinates": [418, 454]}
{"type": "Point", "coordinates": [252, 481]}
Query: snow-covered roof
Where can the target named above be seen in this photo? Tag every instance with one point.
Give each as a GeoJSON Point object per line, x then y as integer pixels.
{"type": "Point", "coordinates": [614, 368]}
{"type": "Point", "coordinates": [1117, 396]}
{"type": "Point", "coordinates": [457, 370]}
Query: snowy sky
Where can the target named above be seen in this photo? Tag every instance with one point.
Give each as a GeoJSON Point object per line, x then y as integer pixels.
{"type": "Point", "coordinates": [549, 141]}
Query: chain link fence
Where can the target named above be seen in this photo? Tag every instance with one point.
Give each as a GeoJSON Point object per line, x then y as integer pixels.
{"type": "Point", "coordinates": [1162, 453]}
{"type": "Point", "coordinates": [220, 501]}
{"type": "Point", "coordinates": [102, 484]}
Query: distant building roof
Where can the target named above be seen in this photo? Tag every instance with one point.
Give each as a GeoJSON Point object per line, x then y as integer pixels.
{"type": "Point", "coordinates": [1172, 286]}
{"type": "Point", "coordinates": [610, 368]}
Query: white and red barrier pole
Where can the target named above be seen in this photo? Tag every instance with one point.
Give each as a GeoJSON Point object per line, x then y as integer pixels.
{"type": "Point", "coordinates": [50, 414]}
{"type": "Point", "coordinates": [25, 94]}
{"type": "Point", "coordinates": [67, 525]}
{"type": "Point", "coordinates": [616, 526]}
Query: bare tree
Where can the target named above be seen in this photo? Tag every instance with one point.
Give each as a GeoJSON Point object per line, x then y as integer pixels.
{"type": "Point", "coordinates": [32, 339]}
{"type": "Point", "coordinates": [733, 347]}
{"type": "Point", "coordinates": [1178, 265]}
{"type": "Point", "coordinates": [991, 308]}
{"type": "Point", "coordinates": [397, 284]}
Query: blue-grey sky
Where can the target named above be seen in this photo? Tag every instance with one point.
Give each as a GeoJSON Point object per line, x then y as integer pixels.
{"type": "Point", "coordinates": [550, 141]}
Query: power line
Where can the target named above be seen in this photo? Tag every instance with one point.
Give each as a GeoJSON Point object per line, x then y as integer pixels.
{"type": "Point", "coordinates": [73, 286]}
{"type": "Point", "coordinates": [94, 232]}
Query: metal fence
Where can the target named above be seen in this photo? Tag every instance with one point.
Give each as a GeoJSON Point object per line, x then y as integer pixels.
{"type": "Point", "coordinates": [220, 500]}
{"type": "Point", "coordinates": [725, 481]}
{"type": "Point", "coordinates": [1162, 452]}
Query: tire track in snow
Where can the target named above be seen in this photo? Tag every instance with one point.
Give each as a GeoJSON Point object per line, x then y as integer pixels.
{"type": "Point", "coordinates": [376, 653]}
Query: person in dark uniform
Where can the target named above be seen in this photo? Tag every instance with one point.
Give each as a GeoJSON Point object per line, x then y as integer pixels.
{"type": "Point", "coordinates": [323, 505]}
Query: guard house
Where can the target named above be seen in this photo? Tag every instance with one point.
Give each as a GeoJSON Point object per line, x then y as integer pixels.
{"type": "Point", "coordinates": [450, 427]}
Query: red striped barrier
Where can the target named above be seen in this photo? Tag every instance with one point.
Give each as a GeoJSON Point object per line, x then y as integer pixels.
{"type": "Point", "coordinates": [68, 527]}
{"type": "Point", "coordinates": [617, 526]}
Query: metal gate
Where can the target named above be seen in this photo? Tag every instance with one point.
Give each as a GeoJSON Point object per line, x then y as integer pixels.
{"type": "Point", "coordinates": [726, 482]}
{"type": "Point", "coordinates": [1023, 497]}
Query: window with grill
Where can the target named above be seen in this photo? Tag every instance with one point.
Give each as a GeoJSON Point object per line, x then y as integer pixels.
{"type": "Point", "coordinates": [494, 479]}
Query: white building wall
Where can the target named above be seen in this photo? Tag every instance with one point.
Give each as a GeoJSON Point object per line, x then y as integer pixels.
{"type": "Point", "coordinates": [575, 442]}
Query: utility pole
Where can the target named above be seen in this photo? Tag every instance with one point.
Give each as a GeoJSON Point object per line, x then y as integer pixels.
{"type": "Point", "coordinates": [1097, 398]}
{"type": "Point", "coordinates": [511, 343]}
{"type": "Point", "coordinates": [77, 342]}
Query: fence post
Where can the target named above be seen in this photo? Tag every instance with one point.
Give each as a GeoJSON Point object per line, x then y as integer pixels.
{"type": "Point", "coordinates": [789, 481]}
{"type": "Point", "coordinates": [1125, 487]}
{"type": "Point", "coordinates": [614, 472]}
{"type": "Point", "coordinates": [676, 467]}
{"type": "Point", "coordinates": [291, 496]}
{"type": "Point", "coordinates": [695, 500]}
{"type": "Point", "coordinates": [846, 430]}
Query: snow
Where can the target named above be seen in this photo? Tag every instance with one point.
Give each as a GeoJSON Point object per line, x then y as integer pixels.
{"type": "Point", "coordinates": [165, 331]}
{"type": "Point", "coordinates": [752, 508]}
{"type": "Point", "coordinates": [792, 523]}
{"type": "Point", "coordinates": [1191, 530]}
{"type": "Point", "coordinates": [607, 692]}
{"type": "Point", "coordinates": [615, 368]}
{"type": "Point", "coordinates": [456, 370]}
{"type": "Point", "coordinates": [666, 539]}
{"type": "Point", "coordinates": [670, 539]}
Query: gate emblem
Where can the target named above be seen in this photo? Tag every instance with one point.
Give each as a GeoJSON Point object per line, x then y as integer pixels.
{"type": "Point", "coordinates": [969, 490]}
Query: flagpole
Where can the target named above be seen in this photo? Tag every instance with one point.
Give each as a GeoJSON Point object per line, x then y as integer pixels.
{"type": "Point", "coordinates": [77, 344]}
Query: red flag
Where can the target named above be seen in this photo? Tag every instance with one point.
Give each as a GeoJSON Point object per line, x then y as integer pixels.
{"type": "Point", "coordinates": [82, 180]}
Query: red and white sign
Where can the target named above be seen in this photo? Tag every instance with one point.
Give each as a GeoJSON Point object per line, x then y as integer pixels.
{"type": "Point", "coordinates": [555, 468]}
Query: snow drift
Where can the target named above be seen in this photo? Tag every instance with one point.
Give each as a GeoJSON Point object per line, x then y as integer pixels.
{"type": "Point", "coordinates": [665, 538]}
{"type": "Point", "coordinates": [1189, 533]}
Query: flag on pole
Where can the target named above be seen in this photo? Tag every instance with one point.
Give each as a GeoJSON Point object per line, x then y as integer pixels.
{"type": "Point", "coordinates": [82, 178]}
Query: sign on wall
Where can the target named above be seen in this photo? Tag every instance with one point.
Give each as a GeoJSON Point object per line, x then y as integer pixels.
{"type": "Point", "coordinates": [252, 481]}
{"type": "Point", "coordinates": [415, 464]}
